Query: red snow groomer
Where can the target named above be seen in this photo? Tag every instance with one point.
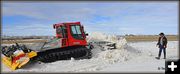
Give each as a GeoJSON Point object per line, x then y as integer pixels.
{"type": "Point", "coordinates": [70, 41]}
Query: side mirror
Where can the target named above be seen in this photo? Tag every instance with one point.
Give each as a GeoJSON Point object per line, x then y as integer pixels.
{"type": "Point", "coordinates": [86, 34]}
{"type": "Point", "coordinates": [54, 26]}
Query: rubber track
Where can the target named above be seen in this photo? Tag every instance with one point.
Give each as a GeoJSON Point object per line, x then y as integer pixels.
{"type": "Point", "coordinates": [51, 55]}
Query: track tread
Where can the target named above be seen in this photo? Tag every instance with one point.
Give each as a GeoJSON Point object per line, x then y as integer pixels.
{"type": "Point", "coordinates": [52, 55]}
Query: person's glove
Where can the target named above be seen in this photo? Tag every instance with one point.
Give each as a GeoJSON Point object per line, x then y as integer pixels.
{"type": "Point", "coordinates": [165, 46]}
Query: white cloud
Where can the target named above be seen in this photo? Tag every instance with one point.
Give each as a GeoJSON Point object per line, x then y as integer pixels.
{"type": "Point", "coordinates": [49, 11]}
{"type": "Point", "coordinates": [30, 29]}
{"type": "Point", "coordinates": [123, 17]}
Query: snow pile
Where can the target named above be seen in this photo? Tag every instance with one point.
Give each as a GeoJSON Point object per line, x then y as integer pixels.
{"type": "Point", "coordinates": [98, 36]}
{"type": "Point", "coordinates": [102, 37]}
{"type": "Point", "coordinates": [121, 43]}
{"type": "Point", "coordinates": [103, 60]}
{"type": "Point", "coordinates": [113, 56]}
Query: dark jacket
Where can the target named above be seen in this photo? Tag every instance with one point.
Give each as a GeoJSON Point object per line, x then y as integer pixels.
{"type": "Point", "coordinates": [164, 41]}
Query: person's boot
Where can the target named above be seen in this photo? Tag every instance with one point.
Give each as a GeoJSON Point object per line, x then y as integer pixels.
{"type": "Point", "coordinates": [158, 58]}
{"type": "Point", "coordinates": [164, 58]}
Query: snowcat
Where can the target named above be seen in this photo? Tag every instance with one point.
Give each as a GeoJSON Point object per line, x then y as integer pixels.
{"type": "Point", "coordinates": [69, 42]}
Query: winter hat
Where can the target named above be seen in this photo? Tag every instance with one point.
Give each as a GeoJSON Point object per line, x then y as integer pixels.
{"type": "Point", "coordinates": [161, 33]}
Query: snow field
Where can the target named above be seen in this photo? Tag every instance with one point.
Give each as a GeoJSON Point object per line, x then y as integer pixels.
{"type": "Point", "coordinates": [128, 57]}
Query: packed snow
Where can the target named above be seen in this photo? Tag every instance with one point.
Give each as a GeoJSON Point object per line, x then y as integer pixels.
{"type": "Point", "coordinates": [128, 57]}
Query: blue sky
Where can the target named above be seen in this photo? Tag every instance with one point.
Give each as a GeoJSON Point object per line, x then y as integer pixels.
{"type": "Point", "coordinates": [120, 18]}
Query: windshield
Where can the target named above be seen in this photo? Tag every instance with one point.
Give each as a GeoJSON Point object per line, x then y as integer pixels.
{"type": "Point", "coordinates": [51, 44]}
{"type": "Point", "coordinates": [76, 32]}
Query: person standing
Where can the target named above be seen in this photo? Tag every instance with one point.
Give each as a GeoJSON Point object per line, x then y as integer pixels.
{"type": "Point", "coordinates": [162, 44]}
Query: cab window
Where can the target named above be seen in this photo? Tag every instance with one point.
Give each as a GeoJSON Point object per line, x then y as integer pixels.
{"type": "Point", "coordinates": [76, 32]}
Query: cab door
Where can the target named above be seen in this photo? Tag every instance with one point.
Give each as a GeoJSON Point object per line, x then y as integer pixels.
{"type": "Point", "coordinates": [61, 32]}
{"type": "Point", "coordinates": [77, 35]}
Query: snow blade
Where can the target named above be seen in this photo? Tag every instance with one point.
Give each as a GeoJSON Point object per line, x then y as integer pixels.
{"type": "Point", "coordinates": [16, 56]}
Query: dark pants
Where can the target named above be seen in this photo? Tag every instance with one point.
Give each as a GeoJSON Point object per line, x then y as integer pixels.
{"type": "Point", "coordinates": [160, 50]}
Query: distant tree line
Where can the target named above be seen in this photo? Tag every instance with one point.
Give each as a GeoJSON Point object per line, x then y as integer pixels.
{"type": "Point", "coordinates": [24, 37]}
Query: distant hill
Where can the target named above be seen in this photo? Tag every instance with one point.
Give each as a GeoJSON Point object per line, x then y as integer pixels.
{"type": "Point", "coordinates": [24, 37]}
{"type": "Point", "coordinates": [149, 37]}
